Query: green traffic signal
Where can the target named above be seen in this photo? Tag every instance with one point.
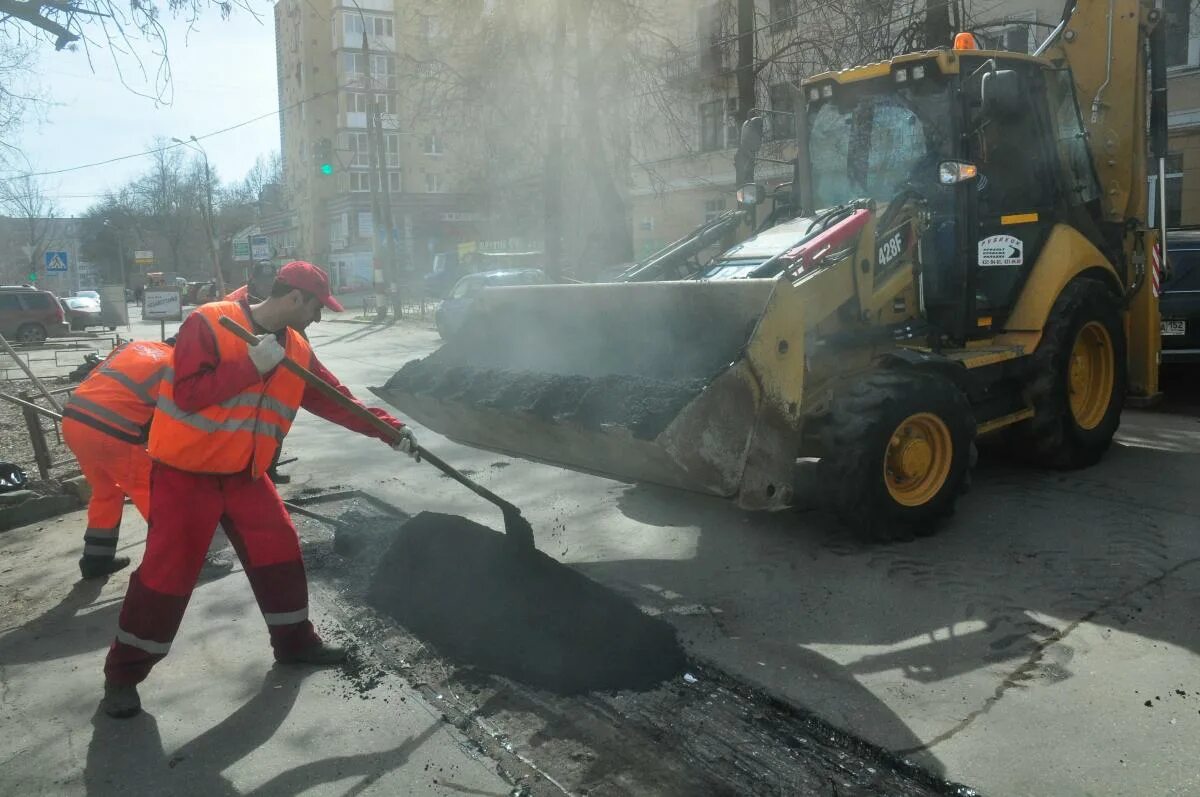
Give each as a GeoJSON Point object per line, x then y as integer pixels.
{"type": "Point", "coordinates": [326, 168]}
{"type": "Point", "coordinates": [33, 276]}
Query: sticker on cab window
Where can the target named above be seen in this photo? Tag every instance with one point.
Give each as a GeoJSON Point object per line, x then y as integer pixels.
{"type": "Point", "coordinates": [1001, 250]}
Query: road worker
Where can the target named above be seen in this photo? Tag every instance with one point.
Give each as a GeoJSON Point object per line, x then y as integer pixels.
{"type": "Point", "coordinates": [262, 279]}
{"type": "Point", "coordinates": [221, 415]}
{"type": "Point", "coordinates": [105, 424]}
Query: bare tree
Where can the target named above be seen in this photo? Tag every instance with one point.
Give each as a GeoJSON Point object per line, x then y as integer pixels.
{"type": "Point", "coordinates": [131, 34]}
{"type": "Point", "coordinates": [33, 215]}
{"type": "Point", "coordinates": [18, 91]}
{"type": "Point", "coordinates": [168, 198]}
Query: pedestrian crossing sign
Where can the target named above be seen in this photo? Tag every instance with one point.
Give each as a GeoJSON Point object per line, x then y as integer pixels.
{"type": "Point", "coordinates": [56, 262]}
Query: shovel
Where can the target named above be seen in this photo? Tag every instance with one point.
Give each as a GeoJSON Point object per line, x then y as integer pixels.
{"type": "Point", "coordinates": [515, 525]}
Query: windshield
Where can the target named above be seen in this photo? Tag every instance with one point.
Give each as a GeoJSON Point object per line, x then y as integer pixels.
{"type": "Point", "coordinates": [865, 145]}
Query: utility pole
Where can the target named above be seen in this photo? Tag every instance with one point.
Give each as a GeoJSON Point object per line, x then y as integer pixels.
{"type": "Point", "coordinates": [208, 215]}
{"type": "Point", "coordinates": [937, 23]}
{"type": "Point", "coordinates": [375, 177]}
{"type": "Point", "coordinates": [553, 178]}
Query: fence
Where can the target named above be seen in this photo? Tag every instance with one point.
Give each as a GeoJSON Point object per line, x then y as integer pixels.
{"type": "Point", "coordinates": [55, 356]}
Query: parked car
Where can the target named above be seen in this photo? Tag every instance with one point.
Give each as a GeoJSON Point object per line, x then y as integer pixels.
{"type": "Point", "coordinates": [1179, 305]}
{"type": "Point", "coordinates": [88, 294]}
{"type": "Point", "coordinates": [82, 312]}
{"type": "Point", "coordinates": [30, 315]}
{"type": "Point", "coordinates": [454, 309]}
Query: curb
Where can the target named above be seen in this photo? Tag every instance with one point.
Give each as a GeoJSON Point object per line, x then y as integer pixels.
{"type": "Point", "coordinates": [33, 510]}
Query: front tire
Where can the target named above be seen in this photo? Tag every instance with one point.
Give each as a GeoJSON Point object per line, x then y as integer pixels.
{"type": "Point", "coordinates": [31, 333]}
{"type": "Point", "coordinates": [1078, 388]}
{"type": "Point", "coordinates": [897, 453]}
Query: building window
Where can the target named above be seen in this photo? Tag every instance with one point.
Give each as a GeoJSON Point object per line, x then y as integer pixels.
{"type": "Point", "coordinates": [780, 128]}
{"type": "Point", "coordinates": [386, 103]}
{"type": "Point", "coordinates": [359, 147]}
{"type": "Point", "coordinates": [1174, 169]}
{"type": "Point", "coordinates": [783, 15]}
{"type": "Point", "coordinates": [1183, 38]}
{"type": "Point", "coordinates": [354, 64]}
{"type": "Point", "coordinates": [356, 102]}
{"type": "Point", "coordinates": [360, 182]}
{"type": "Point", "coordinates": [395, 183]}
{"type": "Point", "coordinates": [376, 25]}
{"type": "Point", "coordinates": [433, 183]}
{"type": "Point", "coordinates": [711, 32]}
{"type": "Point", "coordinates": [718, 125]}
{"type": "Point", "coordinates": [433, 144]}
{"type": "Point", "coordinates": [713, 208]}
{"type": "Point", "coordinates": [391, 145]}
{"type": "Point", "coordinates": [430, 29]}
{"type": "Point", "coordinates": [383, 71]}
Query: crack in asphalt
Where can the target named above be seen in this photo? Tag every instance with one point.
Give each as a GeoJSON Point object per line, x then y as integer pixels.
{"type": "Point", "coordinates": [1034, 659]}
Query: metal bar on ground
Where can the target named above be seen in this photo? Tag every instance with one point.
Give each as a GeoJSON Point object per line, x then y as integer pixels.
{"type": "Point", "coordinates": [30, 405]}
{"type": "Point", "coordinates": [28, 372]}
{"type": "Point", "coordinates": [37, 437]}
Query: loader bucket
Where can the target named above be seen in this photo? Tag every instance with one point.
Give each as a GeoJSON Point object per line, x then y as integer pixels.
{"type": "Point", "coordinates": [640, 381]}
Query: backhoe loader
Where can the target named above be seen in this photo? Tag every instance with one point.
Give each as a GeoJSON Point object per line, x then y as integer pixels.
{"type": "Point", "coordinates": [977, 266]}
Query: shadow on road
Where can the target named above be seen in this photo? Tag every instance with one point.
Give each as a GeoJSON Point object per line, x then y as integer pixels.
{"type": "Point", "coordinates": [1029, 556]}
{"type": "Point", "coordinates": [127, 756]}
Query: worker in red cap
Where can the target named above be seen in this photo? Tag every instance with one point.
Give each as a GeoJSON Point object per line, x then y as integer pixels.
{"type": "Point", "coordinates": [258, 288]}
{"type": "Point", "coordinates": [219, 419]}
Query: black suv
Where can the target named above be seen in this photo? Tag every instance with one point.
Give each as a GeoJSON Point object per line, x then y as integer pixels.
{"type": "Point", "coordinates": [1179, 305]}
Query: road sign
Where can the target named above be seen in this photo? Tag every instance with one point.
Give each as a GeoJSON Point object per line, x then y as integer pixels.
{"type": "Point", "coordinates": [143, 257]}
{"type": "Point", "coordinates": [56, 262]}
{"type": "Point", "coordinates": [162, 305]}
{"type": "Point", "coordinates": [241, 250]}
{"type": "Point", "coordinates": [260, 247]}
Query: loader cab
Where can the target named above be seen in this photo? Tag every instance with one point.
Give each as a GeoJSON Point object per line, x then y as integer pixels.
{"type": "Point", "coordinates": [989, 145]}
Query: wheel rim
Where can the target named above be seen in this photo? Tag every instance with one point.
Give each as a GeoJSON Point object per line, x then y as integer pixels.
{"type": "Point", "coordinates": [917, 462]}
{"type": "Point", "coordinates": [1090, 375]}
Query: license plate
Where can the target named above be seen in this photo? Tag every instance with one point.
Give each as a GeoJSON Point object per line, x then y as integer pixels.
{"type": "Point", "coordinates": [1174, 327]}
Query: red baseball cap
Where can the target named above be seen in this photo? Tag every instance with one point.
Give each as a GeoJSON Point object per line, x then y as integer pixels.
{"type": "Point", "coordinates": [310, 278]}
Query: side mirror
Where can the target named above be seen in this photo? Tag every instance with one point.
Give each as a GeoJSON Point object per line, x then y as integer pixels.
{"type": "Point", "coordinates": [1000, 93]}
{"type": "Point", "coordinates": [750, 195]}
{"type": "Point", "coordinates": [752, 135]}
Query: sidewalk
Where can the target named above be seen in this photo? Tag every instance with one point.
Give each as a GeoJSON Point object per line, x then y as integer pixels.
{"type": "Point", "coordinates": [220, 718]}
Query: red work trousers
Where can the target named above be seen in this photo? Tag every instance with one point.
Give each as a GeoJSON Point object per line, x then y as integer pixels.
{"type": "Point", "coordinates": [113, 469]}
{"type": "Point", "coordinates": [184, 511]}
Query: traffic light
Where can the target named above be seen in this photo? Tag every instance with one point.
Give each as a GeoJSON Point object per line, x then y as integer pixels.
{"type": "Point", "coordinates": [33, 276]}
{"type": "Point", "coordinates": [324, 151]}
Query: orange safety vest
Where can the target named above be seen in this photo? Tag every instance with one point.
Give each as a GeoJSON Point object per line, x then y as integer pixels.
{"type": "Point", "coordinates": [243, 431]}
{"type": "Point", "coordinates": [119, 395]}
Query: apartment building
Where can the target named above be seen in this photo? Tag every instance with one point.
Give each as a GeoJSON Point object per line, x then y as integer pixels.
{"type": "Point", "coordinates": [328, 84]}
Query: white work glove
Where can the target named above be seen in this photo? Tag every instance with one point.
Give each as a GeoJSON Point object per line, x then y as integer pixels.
{"type": "Point", "coordinates": [266, 354]}
{"type": "Point", "coordinates": [407, 444]}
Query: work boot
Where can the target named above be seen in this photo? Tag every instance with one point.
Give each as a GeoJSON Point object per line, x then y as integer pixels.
{"type": "Point", "coordinates": [320, 655]}
{"type": "Point", "coordinates": [121, 701]}
{"type": "Point", "coordinates": [99, 566]}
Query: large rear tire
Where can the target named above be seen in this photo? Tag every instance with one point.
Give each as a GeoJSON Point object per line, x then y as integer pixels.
{"type": "Point", "coordinates": [1078, 388]}
{"type": "Point", "coordinates": [896, 453]}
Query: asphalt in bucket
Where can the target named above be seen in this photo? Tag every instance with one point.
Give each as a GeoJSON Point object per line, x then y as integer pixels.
{"type": "Point", "coordinates": [478, 599]}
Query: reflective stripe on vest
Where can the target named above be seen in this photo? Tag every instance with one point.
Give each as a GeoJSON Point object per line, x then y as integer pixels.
{"type": "Point", "coordinates": [121, 391]}
{"type": "Point", "coordinates": [243, 431]}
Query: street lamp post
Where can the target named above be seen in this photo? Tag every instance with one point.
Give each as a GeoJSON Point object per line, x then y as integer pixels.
{"type": "Point", "coordinates": [124, 277]}
{"type": "Point", "coordinates": [212, 233]}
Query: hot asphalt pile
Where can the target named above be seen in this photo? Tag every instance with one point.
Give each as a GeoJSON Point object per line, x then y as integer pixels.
{"type": "Point", "coordinates": [480, 600]}
{"type": "Point", "coordinates": [557, 367]}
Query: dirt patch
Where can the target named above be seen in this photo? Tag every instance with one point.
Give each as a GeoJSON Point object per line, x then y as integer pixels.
{"type": "Point", "coordinates": [478, 599]}
{"type": "Point", "coordinates": [16, 448]}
